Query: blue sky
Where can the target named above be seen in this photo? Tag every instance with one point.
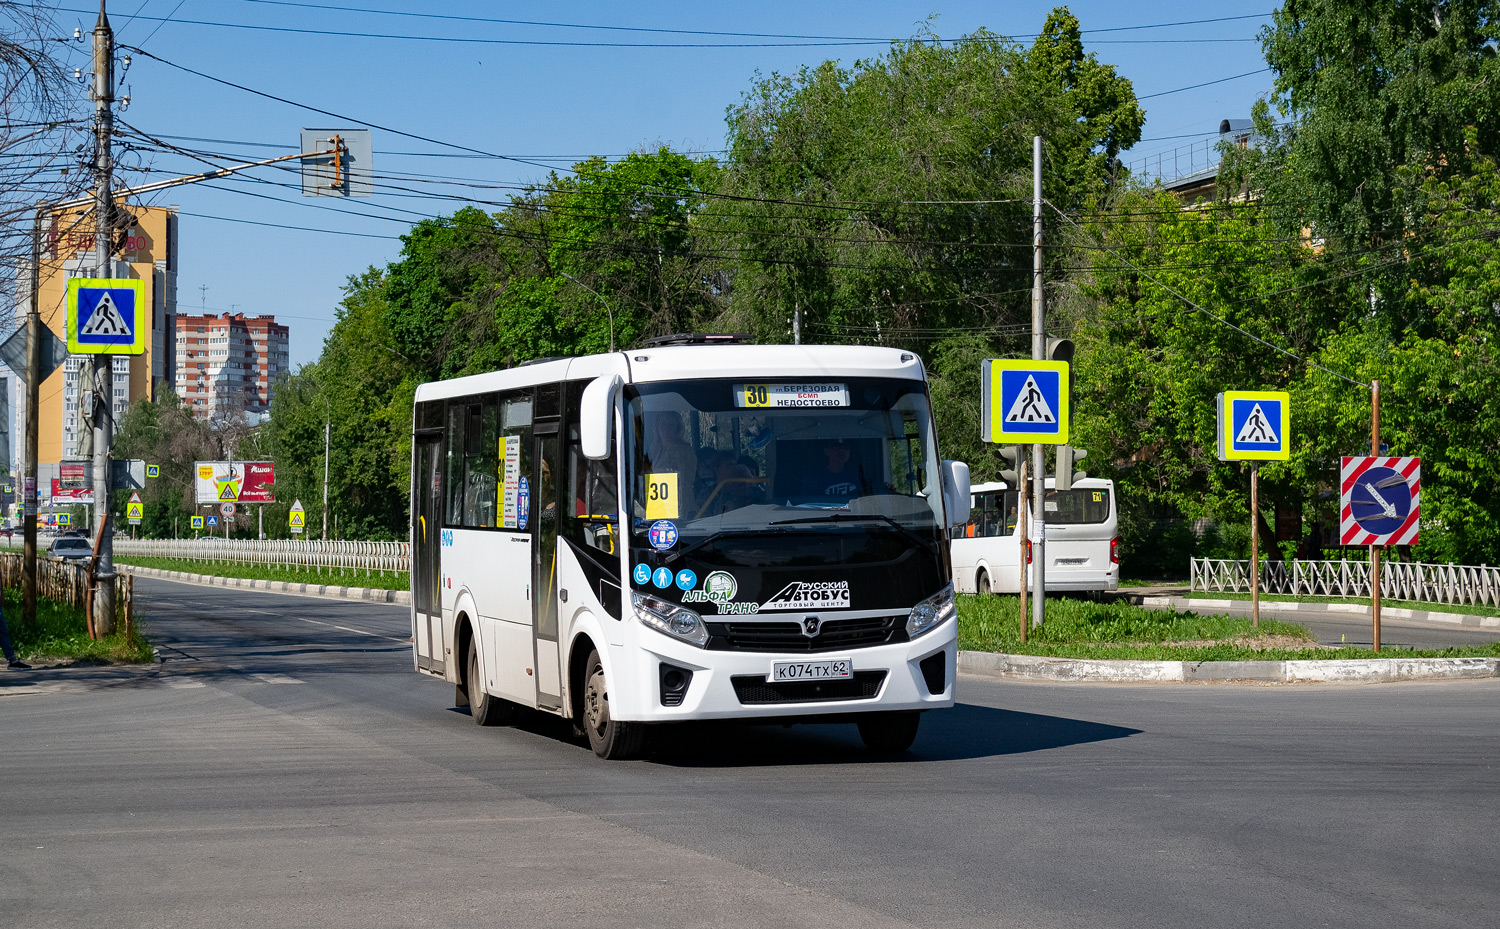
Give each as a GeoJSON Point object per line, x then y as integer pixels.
{"type": "Point", "coordinates": [551, 104]}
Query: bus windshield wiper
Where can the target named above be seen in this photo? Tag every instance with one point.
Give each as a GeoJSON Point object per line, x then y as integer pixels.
{"type": "Point", "coordinates": [674, 557]}
{"type": "Point", "coordinates": [853, 517]}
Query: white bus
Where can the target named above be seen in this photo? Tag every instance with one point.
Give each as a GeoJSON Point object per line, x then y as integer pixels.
{"type": "Point", "coordinates": [1083, 545]}
{"type": "Point", "coordinates": [687, 532]}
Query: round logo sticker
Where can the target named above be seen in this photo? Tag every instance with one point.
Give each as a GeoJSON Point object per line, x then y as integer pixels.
{"type": "Point", "coordinates": [642, 573]}
{"type": "Point", "coordinates": [662, 578]}
{"type": "Point", "coordinates": [663, 535]}
{"type": "Point", "coordinates": [720, 586]}
{"type": "Point", "coordinates": [686, 579]}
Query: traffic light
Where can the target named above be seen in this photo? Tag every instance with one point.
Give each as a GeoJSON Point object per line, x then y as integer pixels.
{"type": "Point", "coordinates": [1060, 350]}
{"type": "Point", "coordinates": [1014, 454]}
{"type": "Point", "coordinates": [1067, 456]}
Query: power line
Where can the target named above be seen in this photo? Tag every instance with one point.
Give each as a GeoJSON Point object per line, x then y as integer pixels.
{"type": "Point", "coordinates": [1178, 90]}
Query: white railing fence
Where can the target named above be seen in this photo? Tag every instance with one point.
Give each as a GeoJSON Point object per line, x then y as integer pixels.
{"type": "Point", "coordinates": [312, 555]}
{"type": "Point", "coordinates": [1399, 580]}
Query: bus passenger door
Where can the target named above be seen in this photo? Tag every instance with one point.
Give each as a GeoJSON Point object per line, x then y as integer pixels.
{"type": "Point", "coordinates": [427, 503]}
{"type": "Point", "coordinates": [544, 568]}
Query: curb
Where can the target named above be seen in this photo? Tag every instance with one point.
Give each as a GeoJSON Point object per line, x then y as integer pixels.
{"type": "Point", "coordinates": [1333, 671]}
{"type": "Point", "coordinates": [1304, 606]}
{"type": "Point", "coordinates": [328, 591]}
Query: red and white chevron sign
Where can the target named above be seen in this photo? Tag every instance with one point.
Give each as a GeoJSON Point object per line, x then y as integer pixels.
{"type": "Point", "coordinates": [1380, 500]}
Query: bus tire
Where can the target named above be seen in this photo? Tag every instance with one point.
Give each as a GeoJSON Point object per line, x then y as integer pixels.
{"type": "Point", "coordinates": [889, 733]}
{"type": "Point", "coordinates": [982, 582]}
{"type": "Point", "coordinates": [486, 709]}
{"type": "Point", "coordinates": [610, 738]}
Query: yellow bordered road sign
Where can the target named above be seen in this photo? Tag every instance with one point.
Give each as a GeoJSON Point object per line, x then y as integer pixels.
{"type": "Point", "coordinates": [1255, 425]}
{"type": "Point", "coordinates": [197, 522]}
{"type": "Point", "coordinates": [1024, 402]}
{"type": "Point", "coordinates": [107, 316]}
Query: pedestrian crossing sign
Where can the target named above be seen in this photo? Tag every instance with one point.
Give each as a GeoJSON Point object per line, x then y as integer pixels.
{"type": "Point", "coordinates": [107, 316]}
{"type": "Point", "coordinates": [1254, 425]}
{"type": "Point", "coordinates": [196, 522]}
{"type": "Point", "coordinates": [1024, 402]}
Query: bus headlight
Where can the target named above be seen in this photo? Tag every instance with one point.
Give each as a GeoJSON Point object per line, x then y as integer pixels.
{"type": "Point", "coordinates": [663, 616]}
{"type": "Point", "coordinates": [930, 613]}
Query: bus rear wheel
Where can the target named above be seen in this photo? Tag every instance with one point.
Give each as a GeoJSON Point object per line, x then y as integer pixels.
{"type": "Point", "coordinates": [486, 709]}
{"type": "Point", "coordinates": [610, 738]}
{"type": "Point", "coordinates": [889, 733]}
{"type": "Point", "coordinates": [982, 583]}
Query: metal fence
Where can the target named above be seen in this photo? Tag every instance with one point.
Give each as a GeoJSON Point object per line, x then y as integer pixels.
{"type": "Point", "coordinates": [311, 555]}
{"type": "Point", "coordinates": [1399, 580]}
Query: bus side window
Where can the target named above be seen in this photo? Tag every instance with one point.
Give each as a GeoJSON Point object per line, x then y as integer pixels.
{"type": "Point", "coordinates": [514, 502]}
{"type": "Point", "coordinates": [454, 440]}
{"type": "Point", "coordinates": [481, 464]}
{"type": "Point", "coordinates": [595, 515]}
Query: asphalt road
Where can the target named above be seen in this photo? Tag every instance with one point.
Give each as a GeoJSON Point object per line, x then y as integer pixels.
{"type": "Point", "coordinates": [283, 766]}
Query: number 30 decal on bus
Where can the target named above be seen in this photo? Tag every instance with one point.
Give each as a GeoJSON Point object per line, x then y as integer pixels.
{"type": "Point", "coordinates": [661, 495]}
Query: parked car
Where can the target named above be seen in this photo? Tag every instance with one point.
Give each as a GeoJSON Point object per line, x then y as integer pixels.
{"type": "Point", "coordinates": [70, 548]}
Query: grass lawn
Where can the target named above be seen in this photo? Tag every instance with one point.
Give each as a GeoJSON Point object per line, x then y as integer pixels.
{"type": "Point", "coordinates": [1472, 609]}
{"type": "Point", "coordinates": [60, 634]}
{"type": "Point", "coordinates": [350, 577]}
{"type": "Point", "coordinates": [1114, 629]}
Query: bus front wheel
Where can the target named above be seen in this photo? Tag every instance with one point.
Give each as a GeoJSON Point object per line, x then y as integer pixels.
{"type": "Point", "coordinates": [609, 738]}
{"type": "Point", "coordinates": [889, 733]}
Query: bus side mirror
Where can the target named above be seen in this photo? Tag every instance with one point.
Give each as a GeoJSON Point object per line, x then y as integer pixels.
{"type": "Point", "coordinates": [596, 417]}
{"type": "Point", "coordinates": [956, 495]}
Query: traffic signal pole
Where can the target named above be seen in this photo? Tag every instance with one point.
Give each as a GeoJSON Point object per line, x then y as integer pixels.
{"type": "Point", "coordinates": [1038, 353]}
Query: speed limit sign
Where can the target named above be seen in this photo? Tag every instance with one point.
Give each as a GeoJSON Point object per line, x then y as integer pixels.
{"type": "Point", "coordinates": [227, 509]}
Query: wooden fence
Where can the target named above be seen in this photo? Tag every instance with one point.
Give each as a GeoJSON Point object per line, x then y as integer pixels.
{"type": "Point", "coordinates": [1399, 580]}
{"type": "Point", "coordinates": [67, 582]}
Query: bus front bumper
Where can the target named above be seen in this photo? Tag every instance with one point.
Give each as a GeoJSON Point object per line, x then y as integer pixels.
{"type": "Point", "coordinates": [737, 685]}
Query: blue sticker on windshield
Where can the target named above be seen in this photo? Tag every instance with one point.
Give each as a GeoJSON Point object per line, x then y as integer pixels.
{"type": "Point", "coordinates": [662, 578]}
{"type": "Point", "coordinates": [523, 503]}
{"type": "Point", "coordinates": [686, 580]}
{"type": "Point", "coordinates": [663, 535]}
{"type": "Point", "coordinates": [642, 573]}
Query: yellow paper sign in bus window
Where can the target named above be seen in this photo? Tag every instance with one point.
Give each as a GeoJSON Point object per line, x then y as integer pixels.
{"type": "Point", "coordinates": [661, 495]}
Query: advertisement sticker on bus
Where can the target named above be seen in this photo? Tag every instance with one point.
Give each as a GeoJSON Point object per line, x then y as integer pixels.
{"type": "Point", "coordinates": [804, 595]}
{"type": "Point", "coordinates": [720, 588]}
{"type": "Point", "coordinates": [523, 502]}
{"type": "Point", "coordinates": [510, 483]}
{"type": "Point", "coordinates": [790, 396]}
{"type": "Point", "coordinates": [663, 535]}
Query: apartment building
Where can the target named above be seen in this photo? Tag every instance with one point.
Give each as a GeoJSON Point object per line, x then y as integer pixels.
{"type": "Point", "coordinates": [227, 364]}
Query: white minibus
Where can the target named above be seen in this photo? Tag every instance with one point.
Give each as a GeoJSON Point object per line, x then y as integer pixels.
{"type": "Point", "coordinates": [697, 529]}
{"type": "Point", "coordinates": [1083, 545]}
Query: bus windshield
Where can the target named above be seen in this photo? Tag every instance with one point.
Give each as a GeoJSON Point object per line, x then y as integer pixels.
{"type": "Point", "coordinates": [730, 458]}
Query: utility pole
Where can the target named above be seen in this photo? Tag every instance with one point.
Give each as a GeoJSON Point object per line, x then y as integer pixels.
{"type": "Point", "coordinates": [103, 381]}
{"type": "Point", "coordinates": [796, 322]}
{"type": "Point", "coordinates": [325, 472]}
{"type": "Point", "coordinates": [29, 512]}
{"type": "Point", "coordinates": [1375, 549]}
{"type": "Point", "coordinates": [1038, 353]}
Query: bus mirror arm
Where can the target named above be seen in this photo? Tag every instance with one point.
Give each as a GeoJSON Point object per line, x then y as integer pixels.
{"type": "Point", "coordinates": [596, 417]}
{"type": "Point", "coordinates": [955, 478]}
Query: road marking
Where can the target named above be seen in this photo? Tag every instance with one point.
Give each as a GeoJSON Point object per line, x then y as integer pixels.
{"type": "Point", "coordinates": [275, 679]}
{"type": "Point", "coordinates": [375, 635]}
{"type": "Point", "coordinates": [183, 683]}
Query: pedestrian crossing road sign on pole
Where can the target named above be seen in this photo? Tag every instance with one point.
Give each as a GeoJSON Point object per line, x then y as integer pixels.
{"type": "Point", "coordinates": [196, 522]}
{"type": "Point", "coordinates": [1024, 402]}
{"type": "Point", "coordinates": [1254, 425]}
{"type": "Point", "coordinates": [107, 316]}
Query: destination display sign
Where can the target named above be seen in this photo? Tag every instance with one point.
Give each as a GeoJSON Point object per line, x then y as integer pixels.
{"type": "Point", "coordinates": [784, 396]}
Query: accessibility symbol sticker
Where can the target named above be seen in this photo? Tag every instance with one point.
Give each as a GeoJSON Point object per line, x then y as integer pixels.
{"type": "Point", "coordinates": [1253, 425]}
{"type": "Point", "coordinates": [1025, 401]}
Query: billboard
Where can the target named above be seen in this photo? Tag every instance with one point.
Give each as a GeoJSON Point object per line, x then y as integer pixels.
{"type": "Point", "coordinates": [234, 482]}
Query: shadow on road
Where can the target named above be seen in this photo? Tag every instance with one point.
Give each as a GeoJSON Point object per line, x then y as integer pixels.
{"type": "Point", "coordinates": [966, 731]}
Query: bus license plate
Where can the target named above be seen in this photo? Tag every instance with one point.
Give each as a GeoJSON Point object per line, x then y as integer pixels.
{"type": "Point", "coordinates": [833, 669]}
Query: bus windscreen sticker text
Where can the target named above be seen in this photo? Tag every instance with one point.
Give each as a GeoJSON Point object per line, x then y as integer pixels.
{"type": "Point", "coordinates": [510, 482]}
{"type": "Point", "coordinates": [806, 595]}
{"type": "Point", "coordinates": [663, 535]}
{"type": "Point", "coordinates": [720, 588]}
{"type": "Point", "coordinates": [771, 396]}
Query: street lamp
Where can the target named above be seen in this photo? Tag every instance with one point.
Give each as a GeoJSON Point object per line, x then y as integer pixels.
{"type": "Point", "coordinates": [601, 300]}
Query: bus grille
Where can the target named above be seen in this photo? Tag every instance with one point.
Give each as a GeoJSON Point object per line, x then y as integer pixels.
{"type": "Point", "coordinates": [754, 689]}
{"type": "Point", "coordinates": [834, 635]}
